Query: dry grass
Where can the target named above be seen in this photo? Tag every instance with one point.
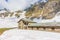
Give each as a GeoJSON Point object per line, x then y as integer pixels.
{"type": "Point", "coordinates": [4, 29]}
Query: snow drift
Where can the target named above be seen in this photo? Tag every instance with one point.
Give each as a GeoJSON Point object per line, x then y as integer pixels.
{"type": "Point", "coordinates": [17, 34]}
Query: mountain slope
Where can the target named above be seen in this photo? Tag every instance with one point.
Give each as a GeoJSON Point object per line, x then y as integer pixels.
{"type": "Point", "coordinates": [47, 10]}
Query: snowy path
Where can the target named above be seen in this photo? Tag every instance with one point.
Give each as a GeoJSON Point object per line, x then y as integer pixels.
{"type": "Point", "coordinates": [16, 34]}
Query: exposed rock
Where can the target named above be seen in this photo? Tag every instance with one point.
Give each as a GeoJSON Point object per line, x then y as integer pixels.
{"type": "Point", "coordinates": [48, 10]}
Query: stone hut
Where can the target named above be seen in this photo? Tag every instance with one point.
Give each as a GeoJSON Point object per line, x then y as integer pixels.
{"type": "Point", "coordinates": [23, 23]}
{"type": "Point", "coordinates": [29, 24]}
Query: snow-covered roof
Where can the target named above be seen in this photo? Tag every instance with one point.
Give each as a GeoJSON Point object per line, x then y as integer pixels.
{"type": "Point", "coordinates": [26, 20]}
{"type": "Point", "coordinates": [45, 24]}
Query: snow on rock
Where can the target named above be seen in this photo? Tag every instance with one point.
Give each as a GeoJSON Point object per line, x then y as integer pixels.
{"type": "Point", "coordinates": [54, 19]}
{"type": "Point", "coordinates": [57, 17]}
{"type": "Point", "coordinates": [17, 34]}
{"type": "Point", "coordinates": [2, 11]}
{"type": "Point", "coordinates": [10, 22]}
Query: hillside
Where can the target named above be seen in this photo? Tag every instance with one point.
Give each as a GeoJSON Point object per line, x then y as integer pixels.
{"type": "Point", "coordinates": [47, 10]}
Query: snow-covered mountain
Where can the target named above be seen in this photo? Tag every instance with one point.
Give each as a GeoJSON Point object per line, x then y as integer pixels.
{"type": "Point", "coordinates": [37, 12]}
{"type": "Point", "coordinates": [11, 19]}
{"type": "Point", "coordinates": [44, 12]}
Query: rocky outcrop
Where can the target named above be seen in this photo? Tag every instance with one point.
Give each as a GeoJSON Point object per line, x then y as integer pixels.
{"type": "Point", "coordinates": [51, 8]}
{"type": "Point", "coordinates": [48, 10]}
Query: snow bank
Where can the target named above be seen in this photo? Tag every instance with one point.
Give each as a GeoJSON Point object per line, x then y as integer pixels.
{"type": "Point", "coordinates": [17, 34]}
{"type": "Point", "coordinates": [8, 23]}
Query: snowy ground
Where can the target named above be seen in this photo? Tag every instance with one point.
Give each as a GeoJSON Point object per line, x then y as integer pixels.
{"type": "Point", "coordinates": [7, 23]}
{"type": "Point", "coordinates": [17, 34]}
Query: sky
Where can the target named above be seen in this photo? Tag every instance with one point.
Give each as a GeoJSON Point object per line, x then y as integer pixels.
{"type": "Point", "coordinates": [17, 4]}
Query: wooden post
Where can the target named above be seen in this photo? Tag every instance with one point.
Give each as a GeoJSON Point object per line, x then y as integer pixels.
{"type": "Point", "coordinates": [53, 28]}
{"type": "Point", "coordinates": [44, 28]}
{"type": "Point", "coordinates": [32, 28]}
{"type": "Point", "coordinates": [37, 28]}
